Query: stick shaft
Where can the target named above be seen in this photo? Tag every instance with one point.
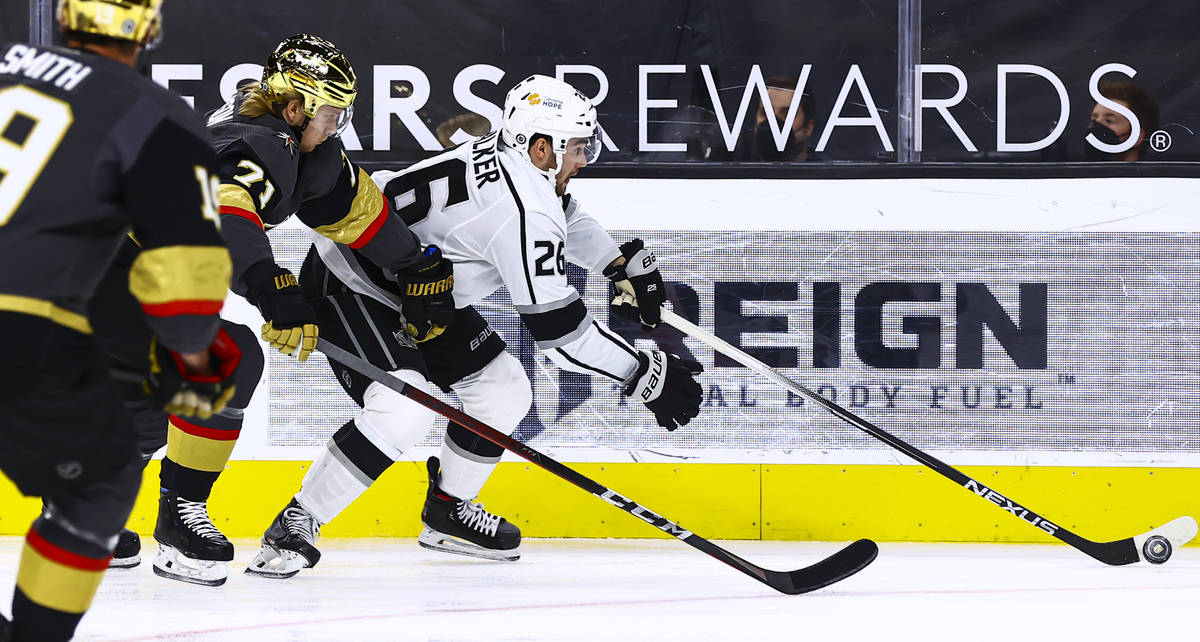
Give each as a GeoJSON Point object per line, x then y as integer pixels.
{"type": "Point", "coordinates": [1102, 552]}
{"type": "Point", "coordinates": [775, 579]}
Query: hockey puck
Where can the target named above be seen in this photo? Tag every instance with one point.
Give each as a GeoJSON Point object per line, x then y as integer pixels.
{"type": "Point", "coordinates": [1156, 549]}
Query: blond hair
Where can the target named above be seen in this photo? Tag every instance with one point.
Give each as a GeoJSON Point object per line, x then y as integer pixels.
{"type": "Point", "coordinates": [258, 103]}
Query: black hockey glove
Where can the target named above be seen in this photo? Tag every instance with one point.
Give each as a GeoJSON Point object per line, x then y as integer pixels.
{"type": "Point", "coordinates": [640, 291]}
{"type": "Point", "coordinates": [427, 300]}
{"type": "Point", "coordinates": [179, 390]}
{"type": "Point", "coordinates": [291, 323]}
{"type": "Point", "coordinates": [667, 385]}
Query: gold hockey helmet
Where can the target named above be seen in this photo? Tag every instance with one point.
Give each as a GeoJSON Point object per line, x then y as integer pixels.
{"type": "Point", "coordinates": [313, 67]}
{"type": "Point", "coordinates": [137, 21]}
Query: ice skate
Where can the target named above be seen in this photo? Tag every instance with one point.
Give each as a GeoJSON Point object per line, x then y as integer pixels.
{"type": "Point", "coordinates": [288, 545]}
{"type": "Point", "coordinates": [190, 548]}
{"type": "Point", "coordinates": [463, 527]}
{"type": "Point", "coordinates": [127, 554]}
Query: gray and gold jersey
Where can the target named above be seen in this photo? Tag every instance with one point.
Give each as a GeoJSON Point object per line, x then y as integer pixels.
{"type": "Point", "coordinates": [93, 151]}
{"type": "Point", "coordinates": [265, 179]}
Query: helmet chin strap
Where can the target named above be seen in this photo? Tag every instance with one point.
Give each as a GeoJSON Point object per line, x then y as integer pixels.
{"type": "Point", "coordinates": [298, 130]}
{"type": "Point", "coordinates": [552, 173]}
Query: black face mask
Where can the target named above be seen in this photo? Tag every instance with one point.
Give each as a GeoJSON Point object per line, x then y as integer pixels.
{"type": "Point", "coordinates": [764, 142]}
{"type": "Point", "coordinates": [1104, 135]}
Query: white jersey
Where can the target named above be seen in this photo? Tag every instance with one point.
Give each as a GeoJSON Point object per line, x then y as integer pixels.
{"type": "Point", "coordinates": [497, 218]}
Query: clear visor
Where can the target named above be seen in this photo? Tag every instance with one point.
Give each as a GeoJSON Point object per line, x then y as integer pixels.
{"type": "Point", "coordinates": [329, 116]}
{"type": "Point", "coordinates": [586, 150]}
{"type": "Point", "coordinates": [344, 120]}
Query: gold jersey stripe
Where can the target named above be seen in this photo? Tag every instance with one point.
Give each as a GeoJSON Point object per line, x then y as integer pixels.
{"type": "Point", "coordinates": [366, 208]}
{"type": "Point", "coordinates": [54, 584]}
{"type": "Point", "coordinates": [46, 309]}
{"type": "Point", "coordinates": [181, 273]}
{"type": "Point", "coordinates": [196, 452]}
{"type": "Point", "coordinates": [236, 196]}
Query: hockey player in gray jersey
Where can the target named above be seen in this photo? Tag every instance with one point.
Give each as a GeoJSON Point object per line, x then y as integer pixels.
{"type": "Point", "coordinates": [90, 151]}
{"type": "Point", "coordinates": [497, 207]}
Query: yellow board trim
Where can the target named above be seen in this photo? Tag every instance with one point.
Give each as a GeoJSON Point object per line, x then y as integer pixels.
{"type": "Point", "coordinates": [56, 585]}
{"type": "Point", "coordinates": [716, 501]}
{"type": "Point", "coordinates": [181, 273]}
{"type": "Point", "coordinates": [367, 206]}
{"type": "Point", "coordinates": [46, 310]}
{"type": "Point", "coordinates": [198, 453]}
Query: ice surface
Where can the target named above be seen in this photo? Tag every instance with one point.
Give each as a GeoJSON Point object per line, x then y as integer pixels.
{"type": "Point", "coordinates": [390, 589]}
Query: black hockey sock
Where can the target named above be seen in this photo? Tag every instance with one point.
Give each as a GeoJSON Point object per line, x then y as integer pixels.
{"type": "Point", "coordinates": [31, 621]}
{"type": "Point", "coordinates": [197, 452]}
{"type": "Point", "coordinates": [194, 485]}
{"type": "Point", "coordinates": [56, 581]}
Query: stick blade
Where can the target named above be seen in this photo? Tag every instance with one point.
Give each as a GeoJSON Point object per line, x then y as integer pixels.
{"type": "Point", "coordinates": [1154, 546]}
{"type": "Point", "coordinates": [1177, 532]}
{"type": "Point", "coordinates": [830, 570]}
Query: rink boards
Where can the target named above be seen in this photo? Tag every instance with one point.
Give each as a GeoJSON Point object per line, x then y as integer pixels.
{"type": "Point", "coordinates": [1038, 334]}
{"type": "Point", "coordinates": [724, 501]}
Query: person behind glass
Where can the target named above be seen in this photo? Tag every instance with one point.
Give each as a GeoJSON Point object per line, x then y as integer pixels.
{"type": "Point", "coordinates": [1111, 127]}
{"type": "Point", "coordinates": [762, 145]}
{"type": "Point", "coordinates": [470, 123]}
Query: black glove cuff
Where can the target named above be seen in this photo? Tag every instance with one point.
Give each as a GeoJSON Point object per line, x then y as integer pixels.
{"type": "Point", "coordinates": [432, 277]}
{"type": "Point", "coordinates": [264, 278]}
{"type": "Point", "coordinates": [616, 273]}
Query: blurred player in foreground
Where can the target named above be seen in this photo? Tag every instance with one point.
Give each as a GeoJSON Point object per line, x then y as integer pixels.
{"type": "Point", "coordinates": [91, 150]}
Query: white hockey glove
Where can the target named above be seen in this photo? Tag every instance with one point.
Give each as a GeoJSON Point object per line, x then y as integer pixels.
{"type": "Point", "coordinates": [667, 385]}
{"type": "Point", "coordinates": [640, 291]}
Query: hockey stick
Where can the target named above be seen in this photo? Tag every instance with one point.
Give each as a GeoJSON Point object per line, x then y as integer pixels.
{"type": "Point", "coordinates": [836, 567]}
{"type": "Point", "coordinates": [1154, 546]}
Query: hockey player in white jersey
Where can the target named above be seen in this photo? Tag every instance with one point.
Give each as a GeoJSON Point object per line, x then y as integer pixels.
{"type": "Point", "coordinates": [497, 208]}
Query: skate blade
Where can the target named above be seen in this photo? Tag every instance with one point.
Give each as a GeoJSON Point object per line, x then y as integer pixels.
{"type": "Point", "coordinates": [276, 564]}
{"type": "Point", "coordinates": [173, 565]}
{"type": "Point", "coordinates": [125, 562]}
{"type": "Point", "coordinates": [435, 541]}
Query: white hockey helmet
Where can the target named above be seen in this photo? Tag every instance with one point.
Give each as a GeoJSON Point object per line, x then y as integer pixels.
{"type": "Point", "coordinates": [551, 107]}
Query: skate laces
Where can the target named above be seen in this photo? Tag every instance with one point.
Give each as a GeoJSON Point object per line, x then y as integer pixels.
{"type": "Point", "coordinates": [194, 515]}
{"type": "Point", "coordinates": [473, 516]}
{"type": "Point", "coordinates": [297, 521]}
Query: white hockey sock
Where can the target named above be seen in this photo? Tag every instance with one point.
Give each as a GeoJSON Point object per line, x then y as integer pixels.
{"type": "Point", "coordinates": [498, 395]}
{"type": "Point", "coordinates": [463, 474]}
{"type": "Point", "coordinates": [330, 485]}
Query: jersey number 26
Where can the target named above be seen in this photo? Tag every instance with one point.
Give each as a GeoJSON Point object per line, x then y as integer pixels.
{"type": "Point", "coordinates": [410, 193]}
